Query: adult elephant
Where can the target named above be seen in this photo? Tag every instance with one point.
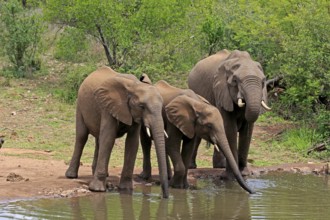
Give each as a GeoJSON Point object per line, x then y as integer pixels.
{"type": "Point", "coordinates": [110, 105]}
{"type": "Point", "coordinates": [235, 84]}
{"type": "Point", "coordinates": [187, 117]}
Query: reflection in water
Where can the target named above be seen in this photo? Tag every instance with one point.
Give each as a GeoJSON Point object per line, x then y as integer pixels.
{"type": "Point", "coordinates": [280, 196]}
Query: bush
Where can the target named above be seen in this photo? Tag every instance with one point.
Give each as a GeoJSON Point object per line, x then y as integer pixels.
{"type": "Point", "coordinates": [21, 35]}
{"type": "Point", "coordinates": [72, 46]}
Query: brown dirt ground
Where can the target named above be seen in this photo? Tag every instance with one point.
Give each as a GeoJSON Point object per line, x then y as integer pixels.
{"type": "Point", "coordinates": [22, 178]}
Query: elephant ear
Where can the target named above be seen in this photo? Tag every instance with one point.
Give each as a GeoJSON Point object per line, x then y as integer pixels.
{"type": "Point", "coordinates": [203, 99]}
{"type": "Point", "coordinates": [145, 79]}
{"type": "Point", "coordinates": [113, 97]}
{"type": "Point", "coordinates": [220, 87]}
{"type": "Point", "coordinates": [181, 114]}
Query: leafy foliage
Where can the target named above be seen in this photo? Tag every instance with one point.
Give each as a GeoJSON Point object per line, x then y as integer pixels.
{"type": "Point", "coordinates": [72, 46]}
{"type": "Point", "coordinates": [21, 36]}
{"type": "Point", "coordinates": [166, 38]}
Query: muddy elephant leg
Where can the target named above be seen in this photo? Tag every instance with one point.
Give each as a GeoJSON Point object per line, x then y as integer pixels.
{"type": "Point", "coordinates": [173, 150]}
{"type": "Point", "coordinates": [218, 159]}
{"type": "Point", "coordinates": [169, 170]}
{"type": "Point", "coordinates": [81, 139]}
{"type": "Point", "coordinates": [193, 164]}
{"type": "Point", "coordinates": [107, 137]}
{"type": "Point", "coordinates": [146, 148]}
{"type": "Point", "coordinates": [186, 154]}
{"type": "Point", "coordinates": [131, 148]}
{"type": "Point", "coordinates": [245, 136]}
{"type": "Point", "coordinates": [96, 154]}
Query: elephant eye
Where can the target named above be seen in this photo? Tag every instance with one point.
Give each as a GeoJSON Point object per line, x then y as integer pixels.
{"type": "Point", "coordinates": [142, 106]}
{"type": "Point", "coordinates": [208, 125]}
{"type": "Point", "coordinates": [235, 67]}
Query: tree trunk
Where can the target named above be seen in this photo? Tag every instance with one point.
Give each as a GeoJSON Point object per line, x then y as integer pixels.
{"type": "Point", "coordinates": [105, 45]}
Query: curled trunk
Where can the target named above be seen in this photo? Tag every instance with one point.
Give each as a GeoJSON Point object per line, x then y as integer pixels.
{"type": "Point", "coordinates": [224, 146]}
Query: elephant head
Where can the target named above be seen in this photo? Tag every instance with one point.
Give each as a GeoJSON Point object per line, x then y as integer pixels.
{"type": "Point", "coordinates": [241, 80]}
{"type": "Point", "coordinates": [197, 118]}
{"type": "Point", "coordinates": [131, 101]}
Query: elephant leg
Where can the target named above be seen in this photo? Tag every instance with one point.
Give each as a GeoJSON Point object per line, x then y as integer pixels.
{"type": "Point", "coordinates": [146, 148]}
{"type": "Point", "coordinates": [218, 159]}
{"type": "Point", "coordinates": [107, 137]}
{"type": "Point", "coordinates": [169, 170]}
{"type": "Point", "coordinates": [245, 136]}
{"type": "Point", "coordinates": [193, 164]}
{"type": "Point", "coordinates": [173, 150]}
{"type": "Point", "coordinates": [131, 148]}
{"type": "Point", "coordinates": [81, 139]}
{"type": "Point", "coordinates": [186, 154]}
{"type": "Point", "coordinates": [96, 155]}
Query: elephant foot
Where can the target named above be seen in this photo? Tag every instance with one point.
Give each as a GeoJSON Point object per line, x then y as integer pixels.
{"type": "Point", "coordinates": [71, 174]}
{"type": "Point", "coordinates": [225, 175]}
{"type": "Point", "coordinates": [219, 164]}
{"type": "Point", "coordinates": [98, 184]}
{"type": "Point", "coordinates": [245, 171]}
{"type": "Point", "coordinates": [178, 184]}
{"type": "Point", "coordinates": [126, 186]}
{"type": "Point", "coordinates": [145, 175]}
{"type": "Point", "coordinates": [193, 165]}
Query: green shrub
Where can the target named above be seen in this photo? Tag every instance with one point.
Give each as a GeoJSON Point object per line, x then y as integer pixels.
{"type": "Point", "coordinates": [20, 37]}
{"type": "Point", "coordinates": [323, 124]}
{"type": "Point", "coordinates": [72, 46]}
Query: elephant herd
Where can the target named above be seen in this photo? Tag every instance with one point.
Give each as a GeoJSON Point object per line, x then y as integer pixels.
{"type": "Point", "coordinates": [226, 94]}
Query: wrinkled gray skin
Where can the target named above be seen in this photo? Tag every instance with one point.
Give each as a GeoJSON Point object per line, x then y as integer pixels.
{"type": "Point", "coordinates": [222, 79]}
{"type": "Point", "coordinates": [110, 105]}
{"type": "Point", "coordinates": [2, 141]}
{"type": "Point", "coordinates": [187, 117]}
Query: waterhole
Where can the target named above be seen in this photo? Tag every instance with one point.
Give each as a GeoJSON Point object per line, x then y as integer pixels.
{"type": "Point", "coordinates": [279, 196]}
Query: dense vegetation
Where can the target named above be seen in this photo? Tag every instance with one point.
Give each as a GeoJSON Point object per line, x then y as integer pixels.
{"type": "Point", "coordinates": [291, 39]}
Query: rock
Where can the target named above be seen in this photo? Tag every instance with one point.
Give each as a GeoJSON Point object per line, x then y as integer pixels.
{"type": "Point", "coordinates": [13, 177]}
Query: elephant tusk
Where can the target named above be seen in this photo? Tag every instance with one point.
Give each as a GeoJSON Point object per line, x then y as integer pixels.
{"type": "Point", "coordinates": [148, 131]}
{"type": "Point", "coordinates": [165, 134]}
{"type": "Point", "coordinates": [240, 103]}
{"type": "Point", "coordinates": [216, 147]}
{"type": "Point", "coordinates": [264, 105]}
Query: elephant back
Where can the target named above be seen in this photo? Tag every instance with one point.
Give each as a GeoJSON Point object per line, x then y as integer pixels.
{"type": "Point", "coordinates": [201, 77]}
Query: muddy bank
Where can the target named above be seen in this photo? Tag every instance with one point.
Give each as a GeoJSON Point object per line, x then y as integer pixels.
{"type": "Point", "coordinates": [24, 178]}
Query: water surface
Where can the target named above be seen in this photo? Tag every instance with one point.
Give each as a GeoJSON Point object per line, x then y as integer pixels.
{"type": "Point", "coordinates": [279, 196]}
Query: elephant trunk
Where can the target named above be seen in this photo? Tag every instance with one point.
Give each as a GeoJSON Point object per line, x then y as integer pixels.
{"type": "Point", "coordinates": [252, 90]}
{"type": "Point", "coordinates": [159, 140]}
{"type": "Point", "coordinates": [224, 146]}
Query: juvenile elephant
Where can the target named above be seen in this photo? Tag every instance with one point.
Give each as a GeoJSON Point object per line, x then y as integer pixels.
{"type": "Point", "coordinates": [235, 84]}
{"type": "Point", "coordinates": [188, 117]}
{"type": "Point", "coordinates": [110, 105]}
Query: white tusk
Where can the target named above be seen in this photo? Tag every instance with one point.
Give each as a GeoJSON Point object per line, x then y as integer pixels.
{"type": "Point", "coordinates": [216, 147]}
{"type": "Point", "coordinates": [264, 105]}
{"type": "Point", "coordinates": [240, 103]}
{"type": "Point", "coordinates": [148, 131]}
{"type": "Point", "coordinates": [165, 134]}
